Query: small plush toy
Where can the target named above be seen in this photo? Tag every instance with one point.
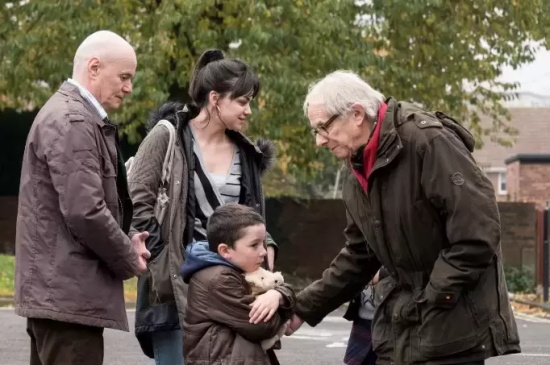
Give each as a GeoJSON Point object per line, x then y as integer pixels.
{"type": "Point", "coordinates": [261, 281]}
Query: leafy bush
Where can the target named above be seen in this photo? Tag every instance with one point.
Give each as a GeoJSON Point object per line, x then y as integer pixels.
{"type": "Point", "coordinates": [519, 280]}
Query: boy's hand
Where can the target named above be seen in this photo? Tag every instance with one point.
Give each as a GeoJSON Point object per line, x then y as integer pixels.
{"type": "Point", "coordinates": [265, 306]}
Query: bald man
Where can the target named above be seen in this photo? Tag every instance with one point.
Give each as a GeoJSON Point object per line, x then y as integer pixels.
{"type": "Point", "coordinates": [74, 243]}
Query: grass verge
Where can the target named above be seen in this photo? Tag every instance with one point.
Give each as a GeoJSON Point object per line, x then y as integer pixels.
{"type": "Point", "coordinates": [7, 275]}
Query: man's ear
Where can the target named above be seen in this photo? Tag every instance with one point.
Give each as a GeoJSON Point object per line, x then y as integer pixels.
{"type": "Point", "coordinates": [359, 113]}
{"type": "Point", "coordinates": [93, 67]}
{"type": "Point", "coordinates": [223, 251]}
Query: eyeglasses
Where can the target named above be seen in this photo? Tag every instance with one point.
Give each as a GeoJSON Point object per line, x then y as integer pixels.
{"type": "Point", "coordinates": [322, 129]}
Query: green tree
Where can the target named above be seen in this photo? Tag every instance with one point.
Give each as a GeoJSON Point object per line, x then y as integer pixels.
{"type": "Point", "coordinates": [420, 50]}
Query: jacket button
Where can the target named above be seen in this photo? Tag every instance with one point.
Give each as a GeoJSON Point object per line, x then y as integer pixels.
{"type": "Point", "coordinates": [177, 182]}
{"type": "Point", "coordinates": [175, 276]}
{"type": "Point", "coordinates": [377, 223]}
{"type": "Point", "coordinates": [395, 316]}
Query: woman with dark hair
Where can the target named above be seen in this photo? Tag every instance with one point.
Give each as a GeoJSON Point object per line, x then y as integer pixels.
{"type": "Point", "coordinates": [213, 164]}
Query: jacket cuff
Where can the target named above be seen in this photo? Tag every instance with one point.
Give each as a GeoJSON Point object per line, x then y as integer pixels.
{"type": "Point", "coordinates": [304, 312]}
{"type": "Point", "coordinates": [132, 232]}
{"type": "Point", "coordinates": [440, 298]}
{"type": "Point", "coordinates": [126, 269]}
{"type": "Point", "coordinates": [384, 273]}
{"type": "Point", "coordinates": [271, 243]}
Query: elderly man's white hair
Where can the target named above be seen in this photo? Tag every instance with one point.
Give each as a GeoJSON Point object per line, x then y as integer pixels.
{"type": "Point", "coordinates": [102, 44]}
{"type": "Point", "coordinates": [339, 90]}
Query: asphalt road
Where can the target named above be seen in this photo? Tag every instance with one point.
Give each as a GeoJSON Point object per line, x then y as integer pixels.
{"type": "Point", "coordinates": [322, 345]}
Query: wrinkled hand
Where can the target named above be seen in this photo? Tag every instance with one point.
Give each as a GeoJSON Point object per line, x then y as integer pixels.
{"type": "Point", "coordinates": [265, 306]}
{"type": "Point", "coordinates": [138, 240]}
{"type": "Point", "coordinates": [293, 324]}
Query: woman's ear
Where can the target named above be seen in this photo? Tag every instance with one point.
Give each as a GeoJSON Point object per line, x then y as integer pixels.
{"type": "Point", "coordinates": [213, 98]}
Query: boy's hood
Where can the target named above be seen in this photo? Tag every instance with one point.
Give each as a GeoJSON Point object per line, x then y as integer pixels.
{"type": "Point", "coordinates": [197, 257]}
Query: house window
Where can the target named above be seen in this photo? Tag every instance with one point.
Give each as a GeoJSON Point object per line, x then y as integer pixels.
{"type": "Point", "coordinates": [502, 188]}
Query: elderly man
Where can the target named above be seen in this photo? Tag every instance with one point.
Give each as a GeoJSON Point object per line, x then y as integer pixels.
{"type": "Point", "coordinates": [72, 245]}
{"type": "Point", "coordinates": [418, 204]}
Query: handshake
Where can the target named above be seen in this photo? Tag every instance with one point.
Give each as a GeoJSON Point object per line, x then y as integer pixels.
{"type": "Point", "coordinates": [138, 243]}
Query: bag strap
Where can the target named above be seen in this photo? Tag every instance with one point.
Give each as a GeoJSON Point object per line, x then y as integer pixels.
{"type": "Point", "coordinates": [169, 157]}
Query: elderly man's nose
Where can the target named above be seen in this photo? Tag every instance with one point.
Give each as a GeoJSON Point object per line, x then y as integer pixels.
{"type": "Point", "coordinates": [320, 140]}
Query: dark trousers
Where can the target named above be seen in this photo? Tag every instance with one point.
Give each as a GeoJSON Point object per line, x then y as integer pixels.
{"type": "Point", "coordinates": [62, 343]}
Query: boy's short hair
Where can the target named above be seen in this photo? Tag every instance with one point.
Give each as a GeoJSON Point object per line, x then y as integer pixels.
{"type": "Point", "coordinates": [227, 222]}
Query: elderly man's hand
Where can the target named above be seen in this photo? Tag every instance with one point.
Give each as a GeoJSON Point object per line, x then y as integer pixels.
{"type": "Point", "coordinates": [293, 324]}
{"type": "Point", "coordinates": [138, 240]}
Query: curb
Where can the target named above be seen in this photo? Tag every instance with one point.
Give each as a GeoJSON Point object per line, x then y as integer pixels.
{"type": "Point", "coordinates": [544, 307]}
{"type": "Point", "coordinates": [6, 301]}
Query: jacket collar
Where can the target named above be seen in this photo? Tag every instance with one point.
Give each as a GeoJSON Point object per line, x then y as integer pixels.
{"type": "Point", "coordinates": [242, 140]}
{"type": "Point", "coordinates": [87, 95]}
{"type": "Point", "coordinates": [73, 92]}
{"type": "Point", "coordinates": [198, 257]}
{"type": "Point", "coordinates": [390, 144]}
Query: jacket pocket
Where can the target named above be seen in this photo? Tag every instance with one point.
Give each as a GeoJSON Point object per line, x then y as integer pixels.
{"type": "Point", "coordinates": [160, 290]}
{"type": "Point", "coordinates": [381, 323]}
{"type": "Point", "coordinates": [447, 331]}
{"type": "Point", "coordinates": [108, 176]}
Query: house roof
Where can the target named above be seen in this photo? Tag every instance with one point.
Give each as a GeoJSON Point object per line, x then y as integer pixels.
{"type": "Point", "coordinates": [533, 126]}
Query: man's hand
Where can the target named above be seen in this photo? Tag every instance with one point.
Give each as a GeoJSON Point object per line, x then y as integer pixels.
{"type": "Point", "coordinates": [293, 325]}
{"type": "Point", "coordinates": [265, 306]}
{"type": "Point", "coordinates": [138, 240]}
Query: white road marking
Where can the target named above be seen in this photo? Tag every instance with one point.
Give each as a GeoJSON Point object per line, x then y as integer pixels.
{"type": "Point", "coordinates": [302, 337]}
{"type": "Point", "coordinates": [532, 355]}
{"type": "Point", "coordinates": [333, 319]}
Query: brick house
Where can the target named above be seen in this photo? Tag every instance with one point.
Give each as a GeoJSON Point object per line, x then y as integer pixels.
{"type": "Point", "coordinates": [520, 173]}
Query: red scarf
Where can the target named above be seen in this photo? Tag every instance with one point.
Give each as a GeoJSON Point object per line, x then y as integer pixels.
{"type": "Point", "coordinates": [370, 150]}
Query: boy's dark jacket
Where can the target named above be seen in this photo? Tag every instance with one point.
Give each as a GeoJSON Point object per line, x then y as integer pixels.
{"type": "Point", "coordinates": [216, 326]}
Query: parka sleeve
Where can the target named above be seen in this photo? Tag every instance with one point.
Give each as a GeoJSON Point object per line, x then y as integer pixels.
{"type": "Point", "coordinates": [143, 184]}
{"type": "Point", "coordinates": [464, 196]}
{"type": "Point", "coordinates": [352, 269]}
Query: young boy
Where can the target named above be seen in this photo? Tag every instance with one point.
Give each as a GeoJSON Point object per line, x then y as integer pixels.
{"type": "Point", "coordinates": [224, 323]}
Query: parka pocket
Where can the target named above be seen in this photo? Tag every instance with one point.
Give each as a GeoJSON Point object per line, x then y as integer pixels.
{"type": "Point", "coordinates": [445, 331]}
{"type": "Point", "coordinates": [381, 323]}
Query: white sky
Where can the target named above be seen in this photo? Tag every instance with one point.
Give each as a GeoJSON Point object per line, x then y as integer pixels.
{"type": "Point", "coordinates": [534, 77]}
